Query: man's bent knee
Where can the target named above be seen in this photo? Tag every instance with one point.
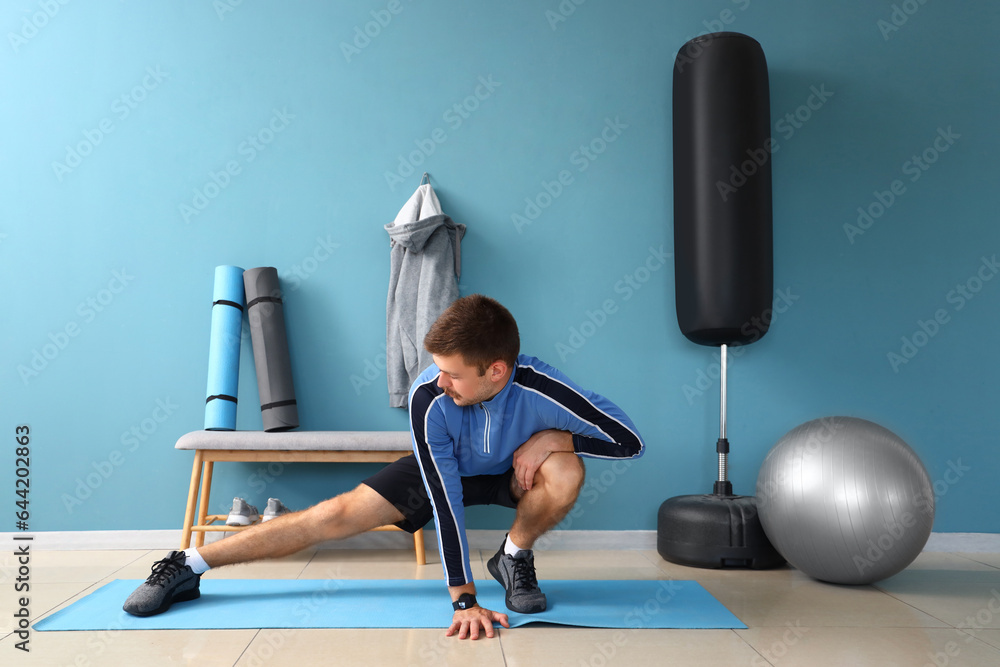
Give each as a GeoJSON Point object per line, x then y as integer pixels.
{"type": "Point", "coordinates": [562, 473]}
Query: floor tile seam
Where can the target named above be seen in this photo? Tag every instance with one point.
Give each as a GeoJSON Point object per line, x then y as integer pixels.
{"type": "Point", "coordinates": [51, 610]}
{"type": "Point", "coordinates": [977, 639]}
{"type": "Point", "coordinates": [307, 564]}
{"type": "Point", "coordinates": [500, 631]}
{"type": "Point", "coordinates": [247, 647]}
{"type": "Point", "coordinates": [915, 608]}
{"type": "Point", "coordinates": [128, 564]}
{"type": "Point", "coordinates": [990, 565]}
{"type": "Point", "coordinates": [737, 631]}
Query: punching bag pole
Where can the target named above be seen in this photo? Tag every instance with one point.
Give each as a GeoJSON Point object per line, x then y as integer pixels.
{"type": "Point", "coordinates": [723, 487]}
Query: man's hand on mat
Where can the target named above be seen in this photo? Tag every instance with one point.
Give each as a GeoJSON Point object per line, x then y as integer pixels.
{"type": "Point", "coordinates": [529, 457]}
{"type": "Point", "coordinates": [468, 621]}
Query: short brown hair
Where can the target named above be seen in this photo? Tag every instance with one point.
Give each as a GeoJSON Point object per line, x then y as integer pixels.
{"type": "Point", "coordinates": [477, 327]}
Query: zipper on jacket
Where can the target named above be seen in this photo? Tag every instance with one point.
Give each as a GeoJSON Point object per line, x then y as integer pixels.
{"type": "Point", "coordinates": [486, 435]}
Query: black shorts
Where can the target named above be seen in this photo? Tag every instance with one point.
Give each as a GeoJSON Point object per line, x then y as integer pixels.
{"type": "Point", "coordinates": [400, 483]}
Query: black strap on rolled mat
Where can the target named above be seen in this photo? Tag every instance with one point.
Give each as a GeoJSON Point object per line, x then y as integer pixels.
{"type": "Point", "coordinates": [265, 312]}
{"type": "Point", "coordinates": [722, 190]}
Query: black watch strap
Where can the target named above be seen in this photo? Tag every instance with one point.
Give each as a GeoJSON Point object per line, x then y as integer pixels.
{"type": "Point", "coordinates": [464, 601]}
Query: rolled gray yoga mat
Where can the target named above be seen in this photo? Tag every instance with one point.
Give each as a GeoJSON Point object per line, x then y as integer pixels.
{"type": "Point", "coordinates": [270, 349]}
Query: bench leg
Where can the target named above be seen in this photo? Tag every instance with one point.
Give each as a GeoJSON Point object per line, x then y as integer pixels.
{"type": "Point", "coordinates": [191, 500]}
{"type": "Point", "coordinates": [418, 546]}
{"type": "Point", "coordinates": [206, 490]}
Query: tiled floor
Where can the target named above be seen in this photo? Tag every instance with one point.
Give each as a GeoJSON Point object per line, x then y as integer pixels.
{"type": "Point", "coordinates": [943, 610]}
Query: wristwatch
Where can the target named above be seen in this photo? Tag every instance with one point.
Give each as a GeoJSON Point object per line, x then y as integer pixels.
{"type": "Point", "coordinates": [464, 601]}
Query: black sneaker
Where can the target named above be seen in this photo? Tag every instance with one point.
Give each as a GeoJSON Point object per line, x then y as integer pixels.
{"type": "Point", "coordinates": [517, 576]}
{"type": "Point", "coordinates": [171, 581]}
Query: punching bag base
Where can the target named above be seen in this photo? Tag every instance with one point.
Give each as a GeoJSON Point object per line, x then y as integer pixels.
{"type": "Point", "coordinates": [714, 532]}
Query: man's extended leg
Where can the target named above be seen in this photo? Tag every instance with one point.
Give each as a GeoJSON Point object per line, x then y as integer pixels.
{"type": "Point", "coordinates": [556, 485]}
{"type": "Point", "coordinates": [346, 515]}
{"type": "Point", "coordinates": [352, 513]}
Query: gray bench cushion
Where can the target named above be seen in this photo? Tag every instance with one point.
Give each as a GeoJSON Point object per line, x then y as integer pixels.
{"type": "Point", "coordinates": [298, 440]}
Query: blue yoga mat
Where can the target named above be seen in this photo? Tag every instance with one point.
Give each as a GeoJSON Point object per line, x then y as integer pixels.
{"type": "Point", "coordinates": [359, 603]}
{"type": "Point", "coordinates": [224, 349]}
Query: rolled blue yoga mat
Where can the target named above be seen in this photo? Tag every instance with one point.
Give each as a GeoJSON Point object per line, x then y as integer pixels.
{"type": "Point", "coordinates": [265, 312]}
{"type": "Point", "coordinates": [224, 349]}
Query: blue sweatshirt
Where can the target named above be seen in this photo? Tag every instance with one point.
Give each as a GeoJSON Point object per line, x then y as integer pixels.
{"type": "Point", "coordinates": [451, 442]}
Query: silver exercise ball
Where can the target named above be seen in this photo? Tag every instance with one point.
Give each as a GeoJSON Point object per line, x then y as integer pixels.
{"type": "Point", "coordinates": [845, 500]}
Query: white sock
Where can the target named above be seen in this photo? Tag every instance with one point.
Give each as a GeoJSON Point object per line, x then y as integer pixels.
{"type": "Point", "coordinates": [195, 561]}
{"type": "Point", "coordinates": [510, 548]}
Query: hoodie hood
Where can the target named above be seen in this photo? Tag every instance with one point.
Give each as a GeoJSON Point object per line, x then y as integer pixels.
{"type": "Point", "coordinates": [414, 235]}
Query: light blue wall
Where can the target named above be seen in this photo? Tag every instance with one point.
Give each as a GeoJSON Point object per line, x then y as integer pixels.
{"type": "Point", "coordinates": [342, 121]}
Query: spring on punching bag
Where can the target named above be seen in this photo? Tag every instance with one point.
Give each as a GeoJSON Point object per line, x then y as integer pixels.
{"type": "Point", "coordinates": [722, 190]}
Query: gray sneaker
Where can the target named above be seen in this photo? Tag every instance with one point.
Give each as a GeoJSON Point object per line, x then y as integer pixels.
{"type": "Point", "coordinates": [242, 513]}
{"type": "Point", "coordinates": [171, 581]}
{"type": "Point", "coordinates": [517, 576]}
{"type": "Point", "coordinates": [274, 509]}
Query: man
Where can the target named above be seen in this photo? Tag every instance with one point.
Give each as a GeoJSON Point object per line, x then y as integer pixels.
{"type": "Point", "coordinates": [489, 426]}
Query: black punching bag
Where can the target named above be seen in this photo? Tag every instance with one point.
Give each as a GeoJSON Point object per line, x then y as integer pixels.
{"type": "Point", "coordinates": [723, 266]}
{"type": "Point", "coordinates": [722, 190]}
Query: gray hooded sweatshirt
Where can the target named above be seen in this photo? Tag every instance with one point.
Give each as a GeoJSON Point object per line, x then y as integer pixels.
{"type": "Point", "coordinates": [425, 265]}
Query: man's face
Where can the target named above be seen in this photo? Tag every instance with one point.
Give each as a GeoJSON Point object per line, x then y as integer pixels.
{"type": "Point", "coordinates": [463, 383]}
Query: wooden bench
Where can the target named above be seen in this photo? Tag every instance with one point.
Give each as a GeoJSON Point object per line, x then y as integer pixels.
{"type": "Point", "coordinates": [288, 447]}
